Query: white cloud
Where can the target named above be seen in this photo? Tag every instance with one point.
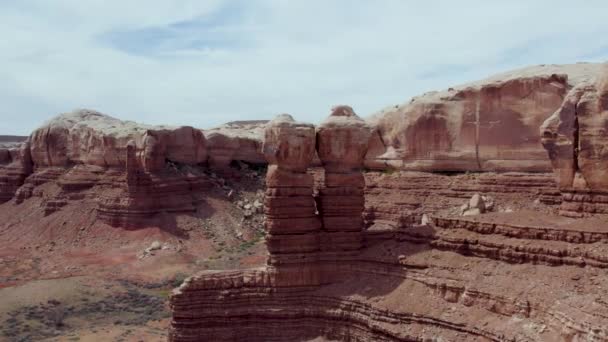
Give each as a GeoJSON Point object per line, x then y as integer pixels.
{"type": "Point", "coordinates": [202, 63]}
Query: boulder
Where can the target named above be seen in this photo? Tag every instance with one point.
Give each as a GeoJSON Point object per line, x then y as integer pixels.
{"type": "Point", "coordinates": [472, 212]}
{"type": "Point", "coordinates": [477, 202]}
{"type": "Point", "coordinates": [291, 223]}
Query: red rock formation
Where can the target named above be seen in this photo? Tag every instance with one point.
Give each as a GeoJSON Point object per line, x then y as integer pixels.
{"type": "Point", "coordinates": [141, 163]}
{"type": "Point", "coordinates": [550, 241]}
{"type": "Point", "coordinates": [88, 137]}
{"type": "Point", "coordinates": [293, 228]}
{"type": "Point", "coordinates": [291, 222]}
{"type": "Point", "coordinates": [17, 167]}
{"type": "Point", "coordinates": [573, 137]}
{"type": "Point", "coordinates": [342, 142]}
{"type": "Point", "coordinates": [454, 278]}
{"type": "Point", "coordinates": [147, 191]}
{"type": "Point", "coordinates": [489, 125]}
{"type": "Point", "coordinates": [239, 140]}
{"type": "Point", "coordinates": [221, 151]}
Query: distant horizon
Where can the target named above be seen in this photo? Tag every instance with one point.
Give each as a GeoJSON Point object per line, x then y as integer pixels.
{"type": "Point", "coordinates": [203, 64]}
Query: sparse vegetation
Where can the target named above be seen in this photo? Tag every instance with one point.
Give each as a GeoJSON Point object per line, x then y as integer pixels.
{"type": "Point", "coordinates": [178, 279]}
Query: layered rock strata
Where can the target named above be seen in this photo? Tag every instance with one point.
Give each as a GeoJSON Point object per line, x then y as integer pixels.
{"type": "Point", "coordinates": [342, 141]}
{"type": "Point", "coordinates": [416, 285]}
{"type": "Point", "coordinates": [237, 140]}
{"type": "Point", "coordinates": [149, 190]}
{"type": "Point", "coordinates": [295, 251]}
{"type": "Point", "coordinates": [291, 221]}
{"type": "Point", "coordinates": [400, 199]}
{"type": "Point", "coordinates": [149, 170]}
{"type": "Point", "coordinates": [91, 138]}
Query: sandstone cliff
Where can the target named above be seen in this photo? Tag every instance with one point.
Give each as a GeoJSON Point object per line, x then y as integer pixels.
{"type": "Point", "coordinates": [87, 138]}
{"type": "Point", "coordinates": [91, 138]}
{"type": "Point", "coordinates": [488, 125]}
{"type": "Point", "coordinates": [236, 140]}
{"type": "Point", "coordinates": [574, 139]}
{"type": "Point", "coordinates": [504, 276]}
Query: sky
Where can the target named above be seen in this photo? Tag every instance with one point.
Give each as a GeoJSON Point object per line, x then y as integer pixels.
{"type": "Point", "coordinates": [205, 62]}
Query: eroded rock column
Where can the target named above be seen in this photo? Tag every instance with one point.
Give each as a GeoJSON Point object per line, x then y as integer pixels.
{"type": "Point", "coordinates": [291, 222]}
{"type": "Point", "coordinates": [342, 141]}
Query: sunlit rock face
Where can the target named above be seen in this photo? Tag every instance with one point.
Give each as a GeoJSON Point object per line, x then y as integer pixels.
{"type": "Point", "coordinates": [291, 221]}
{"type": "Point", "coordinates": [342, 142]}
{"type": "Point", "coordinates": [488, 125]}
{"type": "Point", "coordinates": [575, 138]}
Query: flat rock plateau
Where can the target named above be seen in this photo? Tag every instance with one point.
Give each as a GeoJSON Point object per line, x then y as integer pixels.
{"type": "Point", "coordinates": [476, 213]}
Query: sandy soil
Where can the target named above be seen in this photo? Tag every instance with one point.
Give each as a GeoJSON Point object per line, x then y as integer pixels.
{"type": "Point", "coordinates": [67, 277]}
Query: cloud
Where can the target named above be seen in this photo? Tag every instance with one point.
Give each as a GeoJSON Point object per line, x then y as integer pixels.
{"type": "Point", "coordinates": [202, 63]}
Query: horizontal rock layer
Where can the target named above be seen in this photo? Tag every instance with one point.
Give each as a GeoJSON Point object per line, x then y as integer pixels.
{"type": "Point", "coordinates": [414, 292]}
{"type": "Point", "coordinates": [399, 199]}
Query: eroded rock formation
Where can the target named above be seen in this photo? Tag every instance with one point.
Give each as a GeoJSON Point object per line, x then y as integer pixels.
{"type": "Point", "coordinates": [149, 168]}
{"type": "Point", "coordinates": [574, 139]}
{"type": "Point", "coordinates": [91, 138]}
{"type": "Point", "coordinates": [360, 256]}
{"type": "Point", "coordinates": [238, 140]}
{"type": "Point", "coordinates": [410, 276]}
{"type": "Point", "coordinates": [296, 254]}
{"type": "Point", "coordinates": [489, 125]}
{"type": "Point", "coordinates": [291, 222]}
{"type": "Point", "coordinates": [342, 141]}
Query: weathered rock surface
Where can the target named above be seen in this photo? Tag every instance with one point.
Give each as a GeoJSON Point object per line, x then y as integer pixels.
{"type": "Point", "coordinates": [574, 137]}
{"type": "Point", "coordinates": [382, 256]}
{"type": "Point", "coordinates": [238, 140]}
{"type": "Point", "coordinates": [460, 279]}
{"type": "Point", "coordinates": [89, 137]}
{"type": "Point", "coordinates": [88, 140]}
{"type": "Point", "coordinates": [291, 223]}
{"type": "Point", "coordinates": [489, 125]}
{"type": "Point", "coordinates": [454, 278]}
{"type": "Point", "coordinates": [342, 141]}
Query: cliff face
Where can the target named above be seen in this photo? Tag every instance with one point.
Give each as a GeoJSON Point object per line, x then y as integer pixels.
{"type": "Point", "coordinates": [91, 138]}
{"type": "Point", "coordinates": [489, 125]}
{"type": "Point", "coordinates": [141, 171]}
{"type": "Point", "coordinates": [397, 276]}
{"type": "Point", "coordinates": [574, 137]}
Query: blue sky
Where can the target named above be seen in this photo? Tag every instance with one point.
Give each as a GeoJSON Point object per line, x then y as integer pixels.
{"type": "Point", "coordinates": [202, 63]}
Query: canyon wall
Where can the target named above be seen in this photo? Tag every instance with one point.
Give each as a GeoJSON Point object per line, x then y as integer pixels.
{"type": "Point", "coordinates": [489, 125]}
{"type": "Point", "coordinates": [146, 171]}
